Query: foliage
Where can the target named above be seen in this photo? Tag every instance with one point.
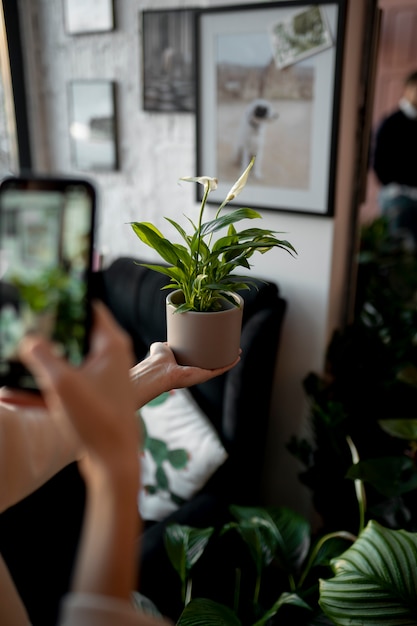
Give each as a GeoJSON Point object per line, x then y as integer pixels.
{"type": "Point", "coordinates": [184, 546]}
{"type": "Point", "coordinates": [203, 269]}
{"type": "Point", "coordinates": [281, 563]}
{"type": "Point", "coordinates": [364, 574]}
{"type": "Point", "coordinates": [60, 294]}
{"type": "Point", "coordinates": [337, 578]}
{"type": "Point", "coordinates": [367, 392]}
{"type": "Point", "coordinates": [374, 582]}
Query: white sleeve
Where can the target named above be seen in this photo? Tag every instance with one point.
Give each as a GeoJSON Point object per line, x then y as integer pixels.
{"type": "Point", "coordinates": [85, 609]}
{"type": "Point", "coordinates": [33, 447]}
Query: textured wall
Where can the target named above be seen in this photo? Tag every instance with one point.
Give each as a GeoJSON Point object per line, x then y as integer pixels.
{"type": "Point", "coordinates": [155, 150]}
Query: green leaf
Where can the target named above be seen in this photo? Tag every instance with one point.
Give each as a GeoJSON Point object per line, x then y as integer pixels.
{"type": "Point", "coordinates": [401, 428]}
{"type": "Point", "coordinates": [184, 546]}
{"type": "Point", "coordinates": [282, 534]}
{"type": "Point", "coordinates": [375, 580]}
{"type": "Point", "coordinates": [204, 612]}
{"type": "Point", "coordinates": [152, 237]}
{"type": "Point", "coordinates": [391, 476]}
{"type": "Point", "coordinates": [230, 218]}
{"type": "Point", "coordinates": [331, 546]}
{"type": "Point", "coordinates": [284, 599]}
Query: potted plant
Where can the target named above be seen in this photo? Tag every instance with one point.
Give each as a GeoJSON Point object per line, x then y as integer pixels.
{"type": "Point", "coordinates": [202, 275]}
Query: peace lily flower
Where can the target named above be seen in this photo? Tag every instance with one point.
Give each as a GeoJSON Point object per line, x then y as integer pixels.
{"type": "Point", "coordinates": [205, 272]}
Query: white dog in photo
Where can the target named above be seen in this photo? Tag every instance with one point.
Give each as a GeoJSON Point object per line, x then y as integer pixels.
{"type": "Point", "coordinates": [251, 134]}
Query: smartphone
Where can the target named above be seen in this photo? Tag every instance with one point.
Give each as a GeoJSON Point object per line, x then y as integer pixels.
{"type": "Point", "coordinates": [46, 247]}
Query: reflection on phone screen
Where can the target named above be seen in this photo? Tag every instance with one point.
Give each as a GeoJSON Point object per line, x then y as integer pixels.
{"type": "Point", "coordinates": [45, 255]}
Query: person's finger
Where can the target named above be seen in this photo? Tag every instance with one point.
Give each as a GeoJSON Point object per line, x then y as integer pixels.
{"type": "Point", "coordinates": [105, 330]}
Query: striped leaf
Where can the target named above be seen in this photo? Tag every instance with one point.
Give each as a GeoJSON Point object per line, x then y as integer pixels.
{"type": "Point", "coordinates": [375, 582]}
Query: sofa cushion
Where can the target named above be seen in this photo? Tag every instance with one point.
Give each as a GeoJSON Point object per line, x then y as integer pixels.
{"type": "Point", "coordinates": [181, 450]}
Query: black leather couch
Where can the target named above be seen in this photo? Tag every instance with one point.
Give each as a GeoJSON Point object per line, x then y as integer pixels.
{"type": "Point", "coordinates": [38, 536]}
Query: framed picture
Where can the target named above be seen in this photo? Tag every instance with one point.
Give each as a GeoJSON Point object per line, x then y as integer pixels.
{"type": "Point", "coordinates": [268, 85]}
{"type": "Point", "coordinates": [93, 124]}
{"type": "Point", "coordinates": [168, 63]}
{"type": "Point", "coordinates": [40, 235]}
{"type": "Point", "coordinates": [15, 152]}
{"type": "Point", "coordinates": [88, 16]}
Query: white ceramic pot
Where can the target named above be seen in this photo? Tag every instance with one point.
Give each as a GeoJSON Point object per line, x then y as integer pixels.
{"type": "Point", "coordinates": [207, 340]}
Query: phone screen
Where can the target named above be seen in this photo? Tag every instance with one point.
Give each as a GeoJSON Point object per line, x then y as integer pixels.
{"type": "Point", "coordinates": [46, 243]}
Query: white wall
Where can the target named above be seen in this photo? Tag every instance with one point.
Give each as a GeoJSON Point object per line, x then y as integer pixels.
{"type": "Point", "coordinates": [155, 150]}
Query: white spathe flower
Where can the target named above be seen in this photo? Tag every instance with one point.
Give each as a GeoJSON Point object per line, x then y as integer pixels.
{"type": "Point", "coordinates": [240, 183]}
{"type": "Point", "coordinates": [209, 184]}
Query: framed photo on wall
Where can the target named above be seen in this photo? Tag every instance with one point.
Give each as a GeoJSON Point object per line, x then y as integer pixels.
{"type": "Point", "coordinates": [92, 114]}
{"type": "Point", "coordinates": [15, 149]}
{"type": "Point", "coordinates": [168, 63]}
{"type": "Point", "coordinates": [88, 16]}
{"type": "Point", "coordinates": [268, 85]}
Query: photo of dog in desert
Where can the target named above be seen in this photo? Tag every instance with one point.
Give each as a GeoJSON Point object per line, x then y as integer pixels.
{"type": "Point", "coordinates": [263, 112]}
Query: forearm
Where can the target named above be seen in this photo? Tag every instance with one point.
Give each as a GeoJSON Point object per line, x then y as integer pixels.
{"type": "Point", "coordinates": [106, 562]}
{"type": "Point", "coordinates": [33, 447]}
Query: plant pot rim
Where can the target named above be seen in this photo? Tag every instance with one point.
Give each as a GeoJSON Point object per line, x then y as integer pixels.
{"type": "Point", "coordinates": [226, 305]}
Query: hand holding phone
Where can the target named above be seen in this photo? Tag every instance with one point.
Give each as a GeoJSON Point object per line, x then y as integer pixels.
{"type": "Point", "coordinates": [46, 246]}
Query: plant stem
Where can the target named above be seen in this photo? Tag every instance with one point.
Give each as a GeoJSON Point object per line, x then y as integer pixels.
{"type": "Point", "coordinates": [188, 591]}
{"type": "Point", "coordinates": [342, 534]}
{"type": "Point", "coordinates": [359, 486]}
{"type": "Point", "coordinates": [200, 221]}
{"type": "Point", "coordinates": [257, 589]}
{"type": "Point", "coordinates": [236, 597]}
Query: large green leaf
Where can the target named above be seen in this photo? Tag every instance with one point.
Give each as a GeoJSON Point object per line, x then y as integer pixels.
{"type": "Point", "coordinates": [375, 582]}
{"type": "Point", "coordinates": [203, 612]}
{"type": "Point", "coordinates": [284, 534]}
{"type": "Point", "coordinates": [228, 218]}
{"type": "Point", "coordinates": [185, 545]}
{"type": "Point", "coordinates": [152, 237]}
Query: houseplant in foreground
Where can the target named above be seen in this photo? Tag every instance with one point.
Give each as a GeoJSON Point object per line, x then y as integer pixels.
{"type": "Point", "coordinates": [291, 576]}
{"type": "Point", "coordinates": [202, 272]}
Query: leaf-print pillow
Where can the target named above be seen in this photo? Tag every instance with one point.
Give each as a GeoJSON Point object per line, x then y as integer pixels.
{"type": "Point", "coordinates": [181, 450]}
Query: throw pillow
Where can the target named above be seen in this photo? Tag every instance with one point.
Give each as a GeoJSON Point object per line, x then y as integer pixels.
{"type": "Point", "coordinates": [181, 450]}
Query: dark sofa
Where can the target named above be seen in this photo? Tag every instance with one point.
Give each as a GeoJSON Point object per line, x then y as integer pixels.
{"type": "Point", "coordinates": [38, 536]}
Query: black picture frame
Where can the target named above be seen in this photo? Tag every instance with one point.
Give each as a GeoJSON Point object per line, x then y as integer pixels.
{"type": "Point", "coordinates": [168, 60]}
{"type": "Point", "coordinates": [285, 113]}
{"type": "Point", "coordinates": [92, 125]}
{"type": "Point", "coordinates": [14, 123]}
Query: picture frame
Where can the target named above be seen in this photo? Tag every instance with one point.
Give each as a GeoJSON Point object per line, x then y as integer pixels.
{"type": "Point", "coordinates": [88, 16]}
{"type": "Point", "coordinates": [92, 125]}
{"type": "Point", "coordinates": [15, 148]}
{"type": "Point", "coordinates": [168, 60]}
{"type": "Point", "coordinates": [40, 236]}
{"type": "Point", "coordinates": [279, 102]}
